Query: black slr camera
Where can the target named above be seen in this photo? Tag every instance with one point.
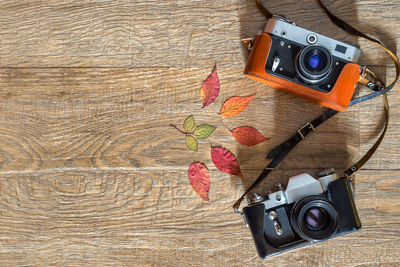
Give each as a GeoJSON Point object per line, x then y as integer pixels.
{"type": "Point", "coordinates": [308, 211]}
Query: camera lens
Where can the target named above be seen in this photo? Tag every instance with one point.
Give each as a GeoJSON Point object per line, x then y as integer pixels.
{"type": "Point", "coordinates": [314, 63]}
{"type": "Point", "coordinates": [314, 218]}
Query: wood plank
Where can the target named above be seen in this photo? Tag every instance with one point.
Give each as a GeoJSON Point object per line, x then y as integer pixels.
{"type": "Point", "coordinates": [100, 118]}
{"type": "Point", "coordinates": [91, 173]}
{"type": "Point", "coordinates": [168, 33]}
{"type": "Point", "coordinates": [147, 217]}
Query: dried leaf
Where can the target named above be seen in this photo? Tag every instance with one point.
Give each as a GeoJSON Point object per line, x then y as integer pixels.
{"type": "Point", "coordinates": [203, 131]}
{"type": "Point", "coordinates": [199, 178]}
{"type": "Point", "coordinates": [189, 123]}
{"type": "Point", "coordinates": [191, 143]}
{"type": "Point", "coordinates": [225, 161]}
{"type": "Point", "coordinates": [210, 88]}
{"type": "Point", "coordinates": [235, 105]}
{"type": "Point", "coordinates": [248, 136]}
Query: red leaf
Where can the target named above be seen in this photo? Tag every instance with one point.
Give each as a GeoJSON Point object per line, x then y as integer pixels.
{"type": "Point", "coordinates": [210, 88]}
{"type": "Point", "coordinates": [235, 105]}
{"type": "Point", "coordinates": [199, 178]}
{"type": "Point", "coordinates": [248, 136]}
{"type": "Point", "coordinates": [225, 161]}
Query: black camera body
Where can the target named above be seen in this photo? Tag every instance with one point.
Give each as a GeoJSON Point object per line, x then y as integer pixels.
{"type": "Point", "coordinates": [304, 57]}
{"type": "Point", "coordinates": [305, 63]}
{"type": "Point", "coordinates": [308, 211]}
{"type": "Point", "coordinates": [297, 63]}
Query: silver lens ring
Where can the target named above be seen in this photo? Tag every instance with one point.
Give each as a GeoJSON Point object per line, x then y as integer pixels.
{"type": "Point", "coordinates": [299, 214]}
{"type": "Point", "coordinates": [306, 73]}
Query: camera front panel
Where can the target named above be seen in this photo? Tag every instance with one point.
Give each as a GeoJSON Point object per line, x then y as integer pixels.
{"type": "Point", "coordinates": [340, 193]}
{"type": "Point", "coordinates": [337, 98]}
{"type": "Point", "coordinates": [278, 230]}
{"type": "Point", "coordinates": [270, 240]}
{"type": "Point", "coordinates": [287, 53]}
{"type": "Point", "coordinates": [266, 239]}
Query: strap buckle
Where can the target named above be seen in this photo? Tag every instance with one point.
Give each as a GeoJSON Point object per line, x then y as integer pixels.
{"type": "Point", "coordinates": [248, 43]}
{"type": "Point", "coordinates": [309, 127]}
{"type": "Point", "coordinates": [370, 80]}
{"type": "Point", "coordinates": [350, 171]}
{"type": "Point", "coordinates": [363, 71]}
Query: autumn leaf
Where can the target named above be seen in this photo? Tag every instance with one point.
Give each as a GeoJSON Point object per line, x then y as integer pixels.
{"type": "Point", "coordinates": [203, 131]}
{"type": "Point", "coordinates": [210, 88]}
{"type": "Point", "coordinates": [189, 123]}
{"type": "Point", "coordinates": [199, 178]}
{"type": "Point", "coordinates": [191, 143]}
{"type": "Point", "coordinates": [225, 161]}
{"type": "Point", "coordinates": [235, 105]}
{"type": "Point", "coordinates": [248, 136]}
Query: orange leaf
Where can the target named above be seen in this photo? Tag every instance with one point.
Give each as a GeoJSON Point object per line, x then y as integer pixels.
{"type": "Point", "coordinates": [199, 178]}
{"type": "Point", "coordinates": [248, 136]}
{"type": "Point", "coordinates": [210, 88]}
{"type": "Point", "coordinates": [235, 105]}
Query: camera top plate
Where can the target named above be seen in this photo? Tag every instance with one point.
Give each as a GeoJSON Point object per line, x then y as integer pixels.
{"type": "Point", "coordinates": [305, 37]}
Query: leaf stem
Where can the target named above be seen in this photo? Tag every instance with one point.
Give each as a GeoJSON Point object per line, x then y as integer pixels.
{"type": "Point", "coordinates": [178, 129]}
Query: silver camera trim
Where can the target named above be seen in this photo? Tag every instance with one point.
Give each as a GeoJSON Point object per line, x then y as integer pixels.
{"type": "Point", "coordinates": [312, 35]}
{"type": "Point", "coordinates": [298, 187]}
{"type": "Point", "coordinates": [300, 35]}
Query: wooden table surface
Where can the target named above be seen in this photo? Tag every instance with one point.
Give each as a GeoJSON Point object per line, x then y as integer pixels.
{"type": "Point", "coordinates": [91, 173]}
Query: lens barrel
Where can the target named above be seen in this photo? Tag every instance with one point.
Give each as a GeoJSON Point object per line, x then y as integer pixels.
{"type": "Point", "coordinates": [314, 218]}
{"type": "Point", "coordinates": [314, 63]}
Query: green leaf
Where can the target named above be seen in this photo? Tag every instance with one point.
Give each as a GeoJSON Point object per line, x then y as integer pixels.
{"type": "Point", "coordinates": [203, 131]}
{"type": "Point", "coordinates": [188, 125]}
{"type": "Point", "coordinates": [191, 143]}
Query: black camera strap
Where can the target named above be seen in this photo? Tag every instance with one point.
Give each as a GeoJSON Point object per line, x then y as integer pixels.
{"type": "Point", "coordinates": [367, 78]}
{"type": "Point", "coordinates": [377, 85]}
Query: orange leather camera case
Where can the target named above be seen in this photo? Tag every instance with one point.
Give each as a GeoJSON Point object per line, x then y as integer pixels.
{"type": "Point", "coordinates": [338, 98]}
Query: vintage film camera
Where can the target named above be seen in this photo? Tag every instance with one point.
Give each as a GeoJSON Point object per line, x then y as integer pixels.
{"type": "Point", "coordinates": [308, 211]}
{"type": "Point", "coordinates": [304, 63]}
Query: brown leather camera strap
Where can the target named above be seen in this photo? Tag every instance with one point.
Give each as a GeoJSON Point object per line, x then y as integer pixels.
{"type": "Point", "coordinates": [261, 7]}
{"type": "Point", "coordinates": [367, 78]}
{"type": "Point", "coordinates": [280, 152]}
{"type": "Point", "coordinates": [376, 84]}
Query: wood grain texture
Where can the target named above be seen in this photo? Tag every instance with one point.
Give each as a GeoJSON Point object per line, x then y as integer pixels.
{"type": "Point", "coordinates": [92, 174]}
{"type": "Point", "coordinates": [167, 33]}
{"type": "Point", "coordinates": [120, 118]}
{"type": "Point", "coordinates": [147, 218]}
